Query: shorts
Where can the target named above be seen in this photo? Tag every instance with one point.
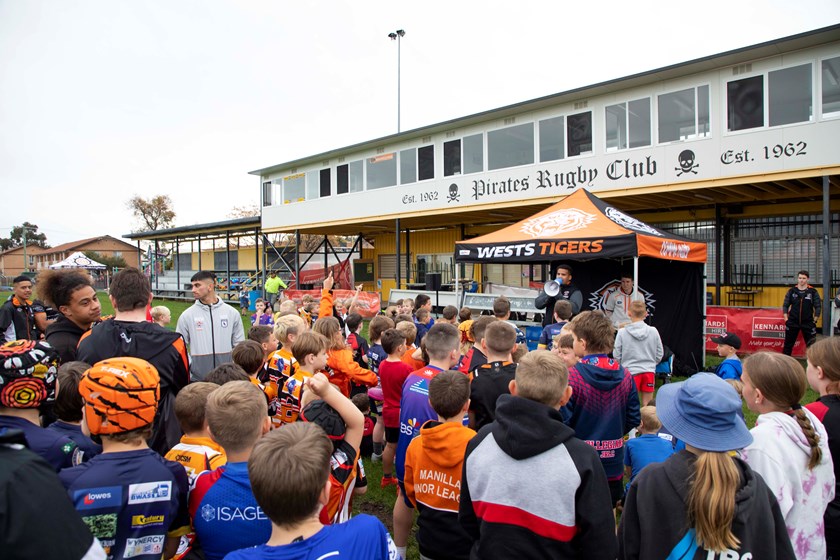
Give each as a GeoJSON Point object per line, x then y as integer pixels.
{"type": "Point", "coordinates": [392, 435]}
{"type": "Point", "coordinates": [401, 494]}
{"type": "Point", "coordinates": [616, 490]}
{"type": "Point", "coordinates": [645, 382]}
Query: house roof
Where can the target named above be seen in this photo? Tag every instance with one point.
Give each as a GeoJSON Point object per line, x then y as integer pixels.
{"type": "Point", "coordinates": [31, 249]}
{"type": "Point", "coordinates": [234, 224]}
{"type": "Point", "coordinates": [73, 245]}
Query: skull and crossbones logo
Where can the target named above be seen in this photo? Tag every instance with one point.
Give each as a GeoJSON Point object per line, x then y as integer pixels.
{"type": "Point", "coordinates": [454, 196]}
{"type": "Point", "coordinates": [687, 165]}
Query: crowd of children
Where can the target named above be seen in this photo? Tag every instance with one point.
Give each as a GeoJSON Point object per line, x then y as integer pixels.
{"type": "Point", "coordinates": [494, 451]}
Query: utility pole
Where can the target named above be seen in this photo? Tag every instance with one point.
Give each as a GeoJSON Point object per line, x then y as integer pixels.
{"type": "Point", "coordinates": [25, 261]}
{"type": "Point", "coordinates": [396, 36]}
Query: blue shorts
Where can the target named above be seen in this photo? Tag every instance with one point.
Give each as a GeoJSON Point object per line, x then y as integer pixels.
{"type": "Point", "coordinates": [402, 494]}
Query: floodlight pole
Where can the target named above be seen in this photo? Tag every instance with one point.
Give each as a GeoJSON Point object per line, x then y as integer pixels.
{"type": "Point", "coordinates": [396, 36]}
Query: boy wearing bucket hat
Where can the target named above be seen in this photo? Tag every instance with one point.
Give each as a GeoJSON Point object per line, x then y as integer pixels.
{"type": "Point", "coordinates": [132, 499]}
{"type": "Point", "coordinates": [27, 380]}
{"type": "Point", "coordinates": [702, 502]}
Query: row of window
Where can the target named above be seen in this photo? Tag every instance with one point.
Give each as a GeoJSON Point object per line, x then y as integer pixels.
{"type": "Point", "coordinates": [776, 98]}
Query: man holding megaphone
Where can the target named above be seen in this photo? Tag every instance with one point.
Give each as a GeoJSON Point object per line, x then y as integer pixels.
{"type": "Point", "coordinates": [559, 288]}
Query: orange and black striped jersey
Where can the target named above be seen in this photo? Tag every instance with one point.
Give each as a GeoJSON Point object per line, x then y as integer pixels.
{"type": "Point", "coordinates": [197, 454]}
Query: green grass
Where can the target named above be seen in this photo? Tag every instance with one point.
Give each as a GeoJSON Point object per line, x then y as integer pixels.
{"type": "Point", "coordinates": [176, 307]}
{"type": "Point", "coordinates": [379, 502]}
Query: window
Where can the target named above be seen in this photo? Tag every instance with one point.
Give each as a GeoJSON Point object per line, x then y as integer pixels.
{"type": "Point", "coordinates": [408, 166]}
{"type": "Point", "coordinates": [349, 177]}
{"type": "Point", "coordinates": [312, 186]}
{"type": "Point", "coordinates": [294, 188]}
{"type": "Point", "coordinates": [184, 261]}
{"type": "Point", "coordinates": [831, 87]}
{"type": "Point", "coordinates": [266, 193]}
{"type": "Point", "coordinates": [381, 171]}
{"type": "Point", "coordinates": [625, 120]}
{"type": "Point", "coordinates": [552, 139]}
{"type": "Point", "coordinates": [451, 158]}
{"type": "Point", "coordinates": [325, 183]}
{"type": "Point", "coordinates": [791, 95]}
{"type": "Point", "coordinates": [683, 114]}
{"type": "Point", "coordinates": [616, 126]}
{"type": "Point", "coordinates": [579, 134]}
{"type": "Point", "coordinates": [342, 179]}
{"type": "Point", "coordinates": [388, 266]}
{"type": "Point", "coordinates": [118, 254]}
{"type": "Point", "coordinates": [510, 147]}
{"type": "Point", "coordinates": [425, 163]}
{"type": "Point", "coordinates": [220, 260]}
{"type": "Point", "coordinates": [745, 103]}
{"type": "Point", "coordinates": [473, 155]}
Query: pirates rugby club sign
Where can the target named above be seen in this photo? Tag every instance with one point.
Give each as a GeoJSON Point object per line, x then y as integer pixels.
{"type": "Point", "coordinates": [581, 226]}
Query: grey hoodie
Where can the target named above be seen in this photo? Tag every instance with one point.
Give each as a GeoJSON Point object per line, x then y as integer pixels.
{"type": "Point", "coordinates": [638, 347]}
{"type": "Point", "coordinates": [211, 332]}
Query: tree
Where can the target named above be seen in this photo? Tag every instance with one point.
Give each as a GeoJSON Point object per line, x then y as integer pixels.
{"type": "Point", "coordinates": [33, 238]}
{"type": "Point", "coordinates": [154, 213]}
{"type": "Point", "coordinates": [110, 262]}
{"type": "Point", "coordinates": [247, 211]}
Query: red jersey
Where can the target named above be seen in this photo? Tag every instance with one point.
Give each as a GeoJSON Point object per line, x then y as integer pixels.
{"type": "Point", "coordinates": [392, 376]}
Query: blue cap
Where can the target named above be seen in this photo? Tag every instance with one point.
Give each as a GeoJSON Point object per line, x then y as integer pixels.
{"type": "Point", "coordinates": [703, 412]}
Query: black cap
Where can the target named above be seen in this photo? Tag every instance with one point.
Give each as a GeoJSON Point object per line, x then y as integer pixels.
{"type": "Point", "coordinates": [729, 338]}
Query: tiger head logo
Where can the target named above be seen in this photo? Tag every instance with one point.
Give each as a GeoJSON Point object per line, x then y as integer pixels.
{"type": "Point", "coordinates": [555, 223]}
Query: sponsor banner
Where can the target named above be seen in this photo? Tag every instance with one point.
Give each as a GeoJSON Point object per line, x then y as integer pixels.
{"type": "Point", "coordinates": [758, 328]}
{"type": "Point", "coordinates": [96, 498]}
{"type": "Point", "coordinates": [152, 544]}
{"type": "Point", "coordinates": [150, 492]}
{"type": "Point", "coordinates": [367, 304]}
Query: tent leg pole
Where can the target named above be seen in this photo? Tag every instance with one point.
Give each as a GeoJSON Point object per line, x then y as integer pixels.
{"type": "Point", "coordinates": [635, 275]}
{"type": "Point", "coordinates": [705, 280]}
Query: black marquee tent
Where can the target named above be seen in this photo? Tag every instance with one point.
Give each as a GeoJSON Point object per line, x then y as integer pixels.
{"type": "Point", "coordinates": [600, 243]}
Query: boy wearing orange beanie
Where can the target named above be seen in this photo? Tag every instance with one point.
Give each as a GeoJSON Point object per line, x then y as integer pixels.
{"type": "Point", "coordinates": [132, 499]}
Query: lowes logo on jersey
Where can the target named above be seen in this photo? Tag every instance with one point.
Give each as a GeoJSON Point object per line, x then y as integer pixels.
{"type": "Point", "coordinates": [95, 498]}
{"type": "Point", "coordinates": [149, 492]}
{"type": "Point", "coordinates": [226, 513]}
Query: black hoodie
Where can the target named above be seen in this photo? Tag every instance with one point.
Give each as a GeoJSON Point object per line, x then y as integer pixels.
{"type": "Point", "coordinates": [654, 523]}
{"type": "Point", "coordinates": [164, 349]}
{"type": "Point", "coordinates": [64, 335]}
{"type": "Point", "coordinates": [530, 489]}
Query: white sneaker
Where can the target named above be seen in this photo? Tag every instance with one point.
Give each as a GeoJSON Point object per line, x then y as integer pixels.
{"type": "Point", "coordinates": [376, 457]}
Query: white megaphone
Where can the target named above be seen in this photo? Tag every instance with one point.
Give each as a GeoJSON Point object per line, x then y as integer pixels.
{"type": "Point", "coordinates": [552, 288]}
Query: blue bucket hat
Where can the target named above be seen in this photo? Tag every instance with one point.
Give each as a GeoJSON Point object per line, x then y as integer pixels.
{"type": "Point", "coordinates": [703, 412]}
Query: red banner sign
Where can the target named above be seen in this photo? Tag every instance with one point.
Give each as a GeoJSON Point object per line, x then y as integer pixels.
{"type": "Point", "coordinates": [761, 328]}
{"type": "Point", "coordinates": [367, 304]}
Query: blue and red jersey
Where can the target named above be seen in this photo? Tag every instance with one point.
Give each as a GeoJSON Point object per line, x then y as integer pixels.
{"type": "Point", "coordinates": [415, 410]}
{"type": "Point", "coordinates": [225, 513]}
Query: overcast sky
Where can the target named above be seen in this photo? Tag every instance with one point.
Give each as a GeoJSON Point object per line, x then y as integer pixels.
{"type": "Point", "coordinates": [104, 99]}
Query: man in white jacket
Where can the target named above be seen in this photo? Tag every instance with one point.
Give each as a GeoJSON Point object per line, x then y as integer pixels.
{"type": "Point", "coordinates": [210, 327]}
{"type": "Point", "coordinates": [638, 347]}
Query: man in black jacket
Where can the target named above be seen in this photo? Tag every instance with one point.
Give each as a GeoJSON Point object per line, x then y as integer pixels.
{"type": "Point", "coordinates": [129, 334]}
{"type": "Point", "coordinates": [568, 291]}
{"type": "Point", "coordinates": [17, 316]}
{"type": "Point", "coordinates": [71, 292]}
{"type": "Point", "coordinates": [802, 307]}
